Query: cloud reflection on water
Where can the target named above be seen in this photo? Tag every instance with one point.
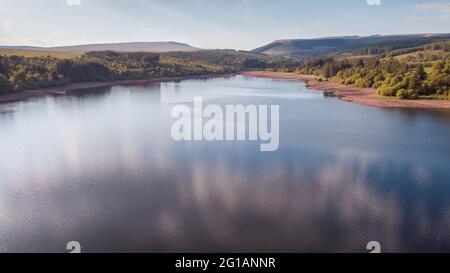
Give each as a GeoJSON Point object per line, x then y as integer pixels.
{"type": "Point", "coordinates": [103, 170]}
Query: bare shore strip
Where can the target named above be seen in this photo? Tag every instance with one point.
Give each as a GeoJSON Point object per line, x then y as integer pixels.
{"type": "Point", "coordinates": [64, 90]}
{"type": "Point", "coordinates": [363, 96]}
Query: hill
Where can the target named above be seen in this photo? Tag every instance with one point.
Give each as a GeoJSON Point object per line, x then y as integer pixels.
{"type": "Point", "coordinates": [118, 47]}
{"type": "Point", "coordinates": [357, 45]}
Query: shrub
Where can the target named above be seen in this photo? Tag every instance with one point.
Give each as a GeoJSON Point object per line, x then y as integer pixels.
{"type": "Point", "coordinates": [63, 67]}
{"type": "Point", "coordinates": [5, 85]}
{"type": "Point", "coordinates": [402, 94]}
{"type": "Point", "coordinates": [82, 72]}
{"type": "Point", "coordinates": [387, 91]}
{"type": "Point", "coordinates": [377, 85]}
{"type": "Point", "coordinates": [412, 94]}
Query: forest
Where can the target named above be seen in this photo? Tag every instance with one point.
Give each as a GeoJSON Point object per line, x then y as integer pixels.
{"type": "Point", "coordinates": [19, 73]}
{"type": "Point", "coordinates": [411, 73]}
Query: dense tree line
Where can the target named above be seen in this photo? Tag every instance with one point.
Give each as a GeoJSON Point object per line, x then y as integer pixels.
{"type": "Point", "coordinates": [386, 52]}
{"type": "Point", "coordinates": [392, 77]}
{"type": "Point", "coordinates": [369, 51]}
{"type": "Point", "coordinates": [20, 73]}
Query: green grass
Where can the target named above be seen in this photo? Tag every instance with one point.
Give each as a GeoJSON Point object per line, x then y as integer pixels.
{"type": "Point", "coordinates": [423, 56]}
{"type": "Point", "coordinates": [430, 97]}
{"type": "Point", "coordinates": [434, 97]}
{"type": "Point", "coordinates": [37, 53]}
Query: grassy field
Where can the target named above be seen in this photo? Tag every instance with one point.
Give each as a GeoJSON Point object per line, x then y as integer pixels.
{"type": "Point", "coordinates": [423, 56]}
{"type": "Point", "coordinates": [37, 53]}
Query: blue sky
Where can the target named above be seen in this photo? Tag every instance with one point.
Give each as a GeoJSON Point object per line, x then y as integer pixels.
{"type": "Point", "coordinates": [239, 24]}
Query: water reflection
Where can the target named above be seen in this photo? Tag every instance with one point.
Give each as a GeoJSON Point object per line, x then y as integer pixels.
{"type": "Point", "coordinates": [103, 170]}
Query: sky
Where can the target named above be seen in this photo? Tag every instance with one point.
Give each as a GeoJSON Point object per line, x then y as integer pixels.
{"type": "Point", "coordinates": [237, 24]}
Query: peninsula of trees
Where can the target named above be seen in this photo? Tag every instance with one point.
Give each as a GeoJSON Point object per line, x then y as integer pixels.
{"type": "Point", "coordinates": [420, 72]}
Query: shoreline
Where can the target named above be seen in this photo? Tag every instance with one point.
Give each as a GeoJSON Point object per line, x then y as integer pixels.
{"type": "Point", "coordinates": [362, 96]}
{"type": "Point", "coordinates": [73, 87]}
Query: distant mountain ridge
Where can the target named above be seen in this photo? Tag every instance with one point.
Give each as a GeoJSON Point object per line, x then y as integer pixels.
{"type": "Point", "coordinates": [307, 48]}
{"type": "Point", "coordinates": [287, 48]}
{"type": "Point", "coordinates": [120, 47]}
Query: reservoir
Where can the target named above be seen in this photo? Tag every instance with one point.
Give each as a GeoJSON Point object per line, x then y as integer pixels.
{"type": "Point", "coordinates": [100, 167]}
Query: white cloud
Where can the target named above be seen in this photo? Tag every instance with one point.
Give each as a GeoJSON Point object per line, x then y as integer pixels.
{"type": "Point", "coordinates": [442, 7]}
{"type": "Point", "coordinates": [73, 2]}
{"type": "Point", "coordinates": [432, 12]}
{"type": "Point", "coordinates": [6, 24]}
{"type": "Point", "coordinates": [374, 2]}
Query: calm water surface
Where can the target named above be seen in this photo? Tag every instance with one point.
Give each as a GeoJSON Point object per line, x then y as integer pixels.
{"type": "Point", "coordinates": [101, 168]}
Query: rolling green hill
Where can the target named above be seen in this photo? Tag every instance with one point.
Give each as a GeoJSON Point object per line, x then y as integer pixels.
{"type": "Point", "coordinates": [371, 45]}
